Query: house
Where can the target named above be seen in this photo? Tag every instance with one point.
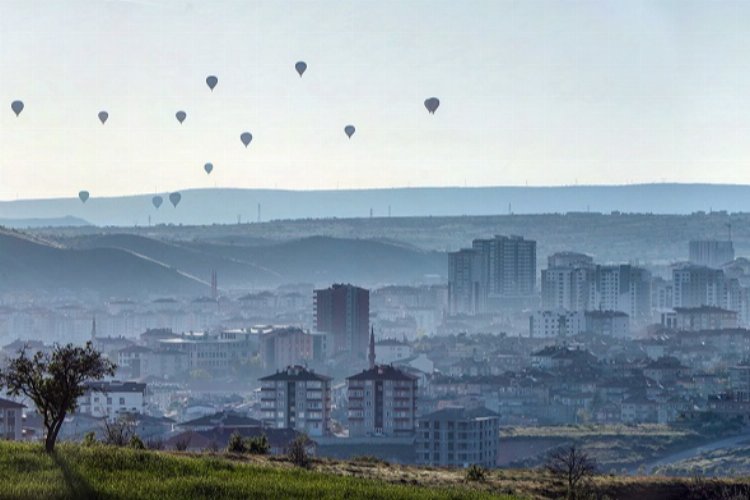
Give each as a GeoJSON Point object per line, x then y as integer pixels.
{"type": "Point", "coordinates": [11, 420]}
{"type": "Point", "coordinates": [112, 399]}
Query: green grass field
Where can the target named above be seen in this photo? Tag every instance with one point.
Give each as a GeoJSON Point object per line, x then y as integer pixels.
{"type": "Point", "coordinates": [105, 472]}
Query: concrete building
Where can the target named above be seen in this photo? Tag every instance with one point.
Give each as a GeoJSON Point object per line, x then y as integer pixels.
{"type": "Point", "coordinates": [508, 265]}
{"type": "Point", "coordinates": [391, 350]}
{"type": "Point", "coordinates": [558, 323]}
{"type": "Point", "coordinates": [382, 402]}
{"type": "Point", "coordinates": [343, 312]}
{"type": "Point", "coordinates": [465, 282]}
{"type": "Point", "coordinates": [711, 253]}
{"type": "Point", "coordinates": [458, 437]}
{"type": "Point", "coordinates": [298, 399]}
{"type": "Point", "coordinates": [624, 288]}
{"type": "Point", "coordinates": [213, 352]}
{"type": "Point", "coordinates": [285, 346]}
{"type": "Point", "coordinates": [112, 399]}
{"type": "Point", "coordinates": [11, 420]}
{"type": "Point", "coordinates": [491, 273]}
{"type": "Point", "coordinates": [696, 319]}
{"type": "Point", "coordinates": [568, 282]}
{"type": "Point", "coordinates": [696, 286]}
{"type": "Point", "coordinates": [608, 323]}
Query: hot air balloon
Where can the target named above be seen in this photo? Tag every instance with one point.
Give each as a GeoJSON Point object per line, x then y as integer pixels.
{"type": "Point", "coordinates": [174, 199]}
{"type": "Point", "coordinates": [211, 81]}
{"type": "Point", "coordinates": [180, 115]}
{"type": "Point", "coordinates": [17, 107]}
{"type": "Point", "coordinates": [301, 67]}
{"type": "Point", "coordinates": [208, 167]}
{"type": "Point", "coordinates": [157, 201]}
{"type": "Point", "coordinates": [349, 130]}
{"type": "Point", "coordinates": [432, 104]}
{"type": "Point", "coordinates": [83, 196]}
{"type": "Point", "coordinates": [103, 115]}
{"type": "Point", "coordinates": [246, 137]}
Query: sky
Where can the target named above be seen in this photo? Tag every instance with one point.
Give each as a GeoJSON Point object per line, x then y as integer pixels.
{"type": "Point", "coordinates": [532, 92]}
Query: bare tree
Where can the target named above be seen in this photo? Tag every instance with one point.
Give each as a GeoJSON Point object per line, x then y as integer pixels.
{"type": "Point", "coordinates": [573, 466]}
{"type": "Point", "coordinates": [118, 432]}
{"type": "Point", "coordinates": [54, 381]}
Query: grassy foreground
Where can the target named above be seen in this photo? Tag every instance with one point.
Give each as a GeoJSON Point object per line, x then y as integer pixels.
{"type": "Point", "coordinates": [105, 472]}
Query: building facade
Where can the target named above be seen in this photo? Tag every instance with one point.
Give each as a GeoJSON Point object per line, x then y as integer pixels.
{"type": "Point", "coordinates": [297, 398]}
{"type": "Point", "coordinates": [382, 402]}
{"type": "Point", "coordinates": [112, 399]}
{"type": "Point", "coordinates": [11, 420]}
{"type": "Point", "coordinates": [458, 437]}
{"type": "Point", "coordinates": [711, 253]}
{"type": "Point", "coordinates": [343, 312]}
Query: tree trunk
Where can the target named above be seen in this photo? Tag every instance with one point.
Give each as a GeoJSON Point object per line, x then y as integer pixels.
{"type": "Point", "coordinates": [49, 442]}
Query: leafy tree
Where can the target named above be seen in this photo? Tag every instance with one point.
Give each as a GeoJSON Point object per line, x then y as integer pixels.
{"type": "Point", "coordinates": [54, 381]}
{"type": "Point", "coordinates": [573, 466]}
{"type": "Point", "coordinates": [236, 443]}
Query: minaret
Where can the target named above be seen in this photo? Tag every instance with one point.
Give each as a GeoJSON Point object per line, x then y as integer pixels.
{"type": "Point", "coordinates": [371, 355]}
{"type": "Point", "coordinates": [93, 327]}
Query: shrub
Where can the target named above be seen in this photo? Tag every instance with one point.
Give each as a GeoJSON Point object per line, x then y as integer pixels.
{"type": "Point", "coordinates": [236, 443]}
{"type": "Point", "coordinates": [258, 445]}
{"type": "Point", "coordinates": [475, 473]}
{"type": "Point", "coordinates": [155, 444]}
{"type": "Point", "coordinates": [182, 444]}
{"type": "Point", "coordinates": [136, 443]}
{"type": "Point", "coordinates": [297, 451]}
{"type": "Point", "coordinates": [89, 439]}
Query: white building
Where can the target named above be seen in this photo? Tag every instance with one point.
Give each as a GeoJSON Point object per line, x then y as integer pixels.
{"type": "Point", "coordinates": [388, 351]}
{"type": "Point", "coordinates": [559, 323]}
{"type": "Point", "coordinates": [11, 420]}
{"type": "Point", "coordinates": [112, 399]}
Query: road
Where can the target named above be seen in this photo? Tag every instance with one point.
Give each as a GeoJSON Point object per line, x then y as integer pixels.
{"type": "Point", "coordinates": [730, 442]}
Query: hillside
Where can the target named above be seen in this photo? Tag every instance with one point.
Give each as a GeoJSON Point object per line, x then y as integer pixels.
{"type": "Point", "coordinates": [76, 472]}
{"type": "Point", "coordinates": [619, 237]}
{"type": "Point", "coordinates": [225, 206]}
{"type": "Point", "coordinates": [33, 264]}
{"type": "Point", "coordinates": [320, 260]}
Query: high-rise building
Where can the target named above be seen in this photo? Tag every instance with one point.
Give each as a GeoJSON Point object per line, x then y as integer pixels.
{"type": "Point", "coordinates": [493, 270]}
{"type": "Point", "coordinates": [508, 264]}
{"type": "Point", "coordinates": [382, 402]}
{"type": "Point", "coordinates": [568, 282]}
{"type": "Point", "coordinates": [465, 290]}
{"type": "Point", "coordinates": [696, 286]}
{"type": "Point", "coordinates": [343, 312]}
{"type": "Point", "coordinates": [711, 253]}
{"type": "Point", "coordinates": [297, 398]}
{"type": "Point", "coordinates": [623, 288]}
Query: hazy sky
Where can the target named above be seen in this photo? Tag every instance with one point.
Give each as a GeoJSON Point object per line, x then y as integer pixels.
{"type": "Point", "coordinates": [537, 92]}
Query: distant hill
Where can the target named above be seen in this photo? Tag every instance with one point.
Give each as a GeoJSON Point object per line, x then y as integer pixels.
{"type": "Point", "coordinates": [67, 221]}
{"type": "Point", "coordinates": [320, 260]}
{"type": "Point", "coordinates": [207, 206]}
{"type": "Point", "coordinates": [31, 264]}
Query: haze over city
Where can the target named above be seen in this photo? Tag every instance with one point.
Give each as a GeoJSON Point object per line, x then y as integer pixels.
{"type": "Point", "coordinates": [374, 249]}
